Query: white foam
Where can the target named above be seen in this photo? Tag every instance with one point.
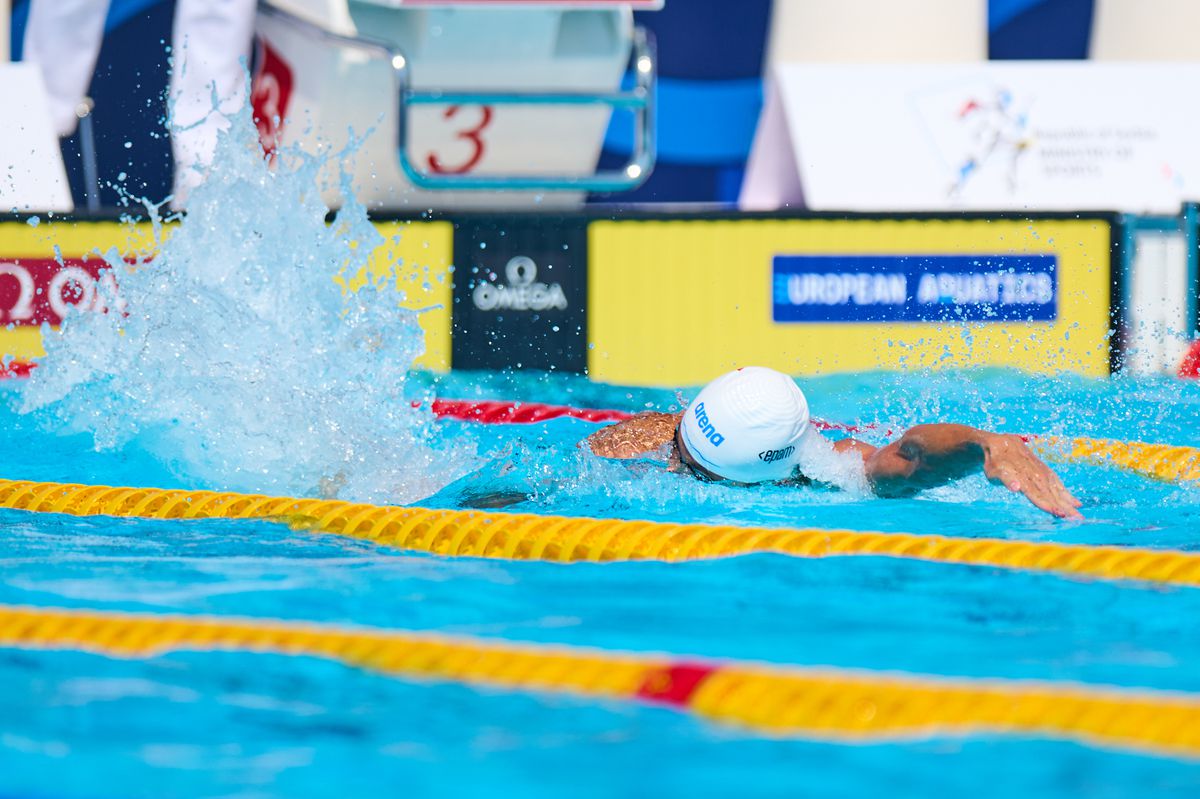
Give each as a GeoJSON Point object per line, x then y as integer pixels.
{"type": "Point", "coordinates": [819, 462]}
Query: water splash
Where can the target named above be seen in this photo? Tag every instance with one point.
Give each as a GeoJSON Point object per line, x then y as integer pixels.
{"type": "Point", "coordinates": [239, 362]}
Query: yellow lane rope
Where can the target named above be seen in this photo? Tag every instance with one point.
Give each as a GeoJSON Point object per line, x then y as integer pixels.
{"type": "Point", "coordinates": [821, 703]}
{"type": "Point", "coordinates": [568, 539]}
{"type": "Point", "coordinates": [1159, 461]}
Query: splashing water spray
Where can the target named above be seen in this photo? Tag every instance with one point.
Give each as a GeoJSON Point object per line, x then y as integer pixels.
{"type": "Point", "coordinates": [239, 361]}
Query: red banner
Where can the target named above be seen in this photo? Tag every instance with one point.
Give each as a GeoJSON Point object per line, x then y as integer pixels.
{"type": "Point", "coordinates": [38, 290]}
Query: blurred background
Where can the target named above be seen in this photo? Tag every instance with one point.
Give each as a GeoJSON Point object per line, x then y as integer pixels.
{"type": "Point", "coordinates": [711, 60]}
{"type": "Point", "coordinates": [556, 117]}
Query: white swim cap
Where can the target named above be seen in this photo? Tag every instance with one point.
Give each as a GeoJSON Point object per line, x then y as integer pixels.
{"type": "Point", "coordinates": [746, 425]}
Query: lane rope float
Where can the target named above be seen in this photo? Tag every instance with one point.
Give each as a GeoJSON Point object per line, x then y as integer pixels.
{"type": "Point", "coordinates": [499, 412]}
{"type": "Point", "coordinates": [1164, 462]}
{"type": "Point", "coordinates": [506, 412]}
{"type": "Point", "coordinates": [822, 703]}
{"type": "Point", "coordinates": [15, 369]}
{"type": "Point", "coordinates": [564, 539]}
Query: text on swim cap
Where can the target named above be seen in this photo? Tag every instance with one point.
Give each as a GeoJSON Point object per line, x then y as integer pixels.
{"type": "Point", "coordinates": [772, 455]}
{"type": "Point", "coordinates": [706, 427]}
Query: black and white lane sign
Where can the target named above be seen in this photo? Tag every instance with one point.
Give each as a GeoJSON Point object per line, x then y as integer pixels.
{"type": "Point", "coordinates": [520, 294]}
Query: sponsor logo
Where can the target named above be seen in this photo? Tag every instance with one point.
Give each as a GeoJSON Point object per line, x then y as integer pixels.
{"type": "Point", "coordinates": [35, 291]}
{"type": "Point", "coordinates": [993, 132]}
{"type": "Point", "coordinates": [915, 288]}
{"type": "Point", "coordinates": [707, 429]}
{"type": "Point", "coordinates": [772, 455]}
{"type": "Point", "coordinates": [522, 292]}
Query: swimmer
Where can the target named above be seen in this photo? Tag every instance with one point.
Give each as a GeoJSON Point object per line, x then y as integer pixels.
{"type": "Point", "coordinates": [752, 426]}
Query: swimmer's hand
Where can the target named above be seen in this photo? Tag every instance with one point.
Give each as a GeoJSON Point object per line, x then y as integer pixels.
{"type": "Point", "coordinates": [930, 455]}
{"type": "Point", "coordinates": [1008, 461]}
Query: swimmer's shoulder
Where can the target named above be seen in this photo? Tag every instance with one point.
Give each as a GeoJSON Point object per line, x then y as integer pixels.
{"type": "Point", "coordinates": [634, 437]}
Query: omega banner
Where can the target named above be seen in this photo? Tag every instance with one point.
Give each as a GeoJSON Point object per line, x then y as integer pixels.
{"type": "Point", "coordinates": [520, 293]}
{"type": "Point", "coordinates": [994, 136]}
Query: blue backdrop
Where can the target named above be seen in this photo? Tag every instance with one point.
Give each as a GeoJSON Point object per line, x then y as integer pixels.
{"type": "Point", "coordinates": [710, 89]}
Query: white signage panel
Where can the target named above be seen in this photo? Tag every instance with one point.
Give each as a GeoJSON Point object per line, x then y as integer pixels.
{"type": "Point", "coordinates": [32, 177]}
{"type": "Point", "coordinates": [988, 136]}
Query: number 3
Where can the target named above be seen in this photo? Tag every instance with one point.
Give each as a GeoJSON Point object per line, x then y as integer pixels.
{"type": "Point", "coordinates": [473, 135]}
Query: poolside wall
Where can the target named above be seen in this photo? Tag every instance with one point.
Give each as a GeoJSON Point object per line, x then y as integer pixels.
{"type": "Point", "coordinates": [671, 299]}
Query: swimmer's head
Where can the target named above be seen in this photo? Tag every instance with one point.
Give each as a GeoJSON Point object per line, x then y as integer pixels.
{"type": "Point", "coordinates": [745, 426]}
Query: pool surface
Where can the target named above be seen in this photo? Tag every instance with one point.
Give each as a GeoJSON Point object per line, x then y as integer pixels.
{"type": "Point", "coordinates": [244, 724]}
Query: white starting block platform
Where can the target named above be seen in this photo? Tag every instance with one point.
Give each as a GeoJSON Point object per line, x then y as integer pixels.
{"type": "Point", "coordinates": [492, 104]}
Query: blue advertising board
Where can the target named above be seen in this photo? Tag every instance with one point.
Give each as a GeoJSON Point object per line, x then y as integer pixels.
{"type": "Point", "coordinates": [915, 288]}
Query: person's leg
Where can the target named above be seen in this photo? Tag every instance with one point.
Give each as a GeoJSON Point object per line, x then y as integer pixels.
{"type": "Point", "coordinates": [63, 37]}
{"type": "Point", "coordinates": [210, 48]}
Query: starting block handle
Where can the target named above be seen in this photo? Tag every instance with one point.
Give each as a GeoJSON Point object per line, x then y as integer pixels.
{"type": "Point", "coordinates": [641, 100]}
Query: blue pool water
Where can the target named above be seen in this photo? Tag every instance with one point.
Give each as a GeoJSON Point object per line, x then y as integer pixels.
{"type": "Point", "coordinates": [252, 725]}
{"type": "Point", "coordinates": [241, 366]}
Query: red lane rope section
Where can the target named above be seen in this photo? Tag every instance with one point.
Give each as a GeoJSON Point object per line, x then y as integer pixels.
{"type": "Point", "coordinates": [498, 412]}
{"type": "Point", "coordinates": [675, 684]}
{"type": "Point", "coordinates": [1190, 365]}
{"type": "Point", "coordinates": [821, 424]}
{"type": "Point", "coordinates": [16, 369]}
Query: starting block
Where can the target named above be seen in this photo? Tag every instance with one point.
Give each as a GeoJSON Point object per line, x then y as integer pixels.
{"type": "Point", "coordinates": [468, 104]}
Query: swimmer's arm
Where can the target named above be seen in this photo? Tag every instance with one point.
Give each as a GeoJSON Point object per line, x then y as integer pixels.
{"type": "Point", "coordinates": [935, 454]}
{"type": "Point", "coordinates": [635, 436]}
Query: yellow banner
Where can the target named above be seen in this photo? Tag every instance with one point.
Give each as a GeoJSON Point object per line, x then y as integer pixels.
{"type": "Point", "coordinates": [419, 252]}
{"type": "Point", "coordinates": [674, 303]}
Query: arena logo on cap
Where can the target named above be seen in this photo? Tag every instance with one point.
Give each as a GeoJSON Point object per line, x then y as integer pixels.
{"type": "Point", "coordinates": [915, 288]}
{"type": "Point", "coordinates": [522, 293]}
{"type": "Point", "coordinates": [707, 428]}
